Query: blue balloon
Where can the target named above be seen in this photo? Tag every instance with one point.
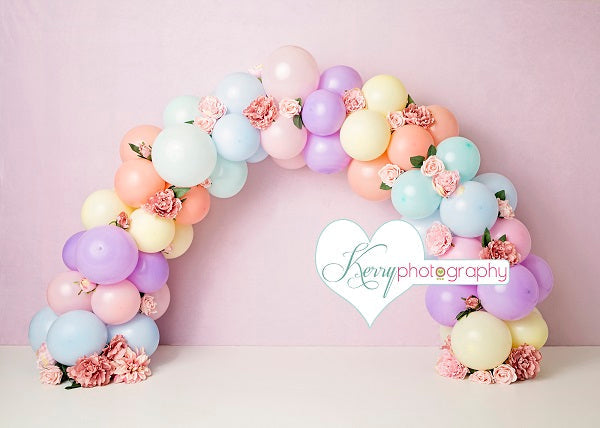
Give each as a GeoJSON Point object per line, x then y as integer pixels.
{"type": "Point", "coordinates": [460, 154]}
{"type": "Point", "coordinates": [76, 334]}
{"type": "Point", "coordinates": [469, 210]}
{"type": "Point", "coordinates": [237, 90]}
{"type": "Point", "coordinates": [228, 178]}
{"type": "Point", "coordinates": [235, 139]}
{"type": "Point", "coordinates": [140, 332]}
{"type": "Point", "coordinates": [259, 156]}
{"type": "Point", "coordinates": [422, 225]}
{"type": "Point", "coordinates": [39, 326]}
{"type": "Point", "coordinates": [496, 182]}
{"type": "Point", "coordinates": [180, 110]}
{"type": "Point", "coordinates": [413, 195]}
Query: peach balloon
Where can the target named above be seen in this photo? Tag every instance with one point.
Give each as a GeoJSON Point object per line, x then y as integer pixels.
{"type": "Point", "coordinates": [64, 294]}
{"type": "Point", "coordinates": [136, 180]}
{"type": "Point", "coordinates": [408, 141]}
{"type": "Point", "coordinates": [283, 140]}
{"type": "Point", "coordinates": [463, 249]}
{"type": "Point", "coordinates": [136, 136]}
{"type": "Point", "coordinates": [516, 232]}
{"type": "Point", "coordinates": [162, 298]}
{"type": "Point", "coordinates": [444, 126]}
{"type": "Point", "coordinates": [296, 162]}
{"type": "Point", "coordinates": [116, 303]}
{"type": "Point", "coordinates": [364, 180]}
{"type": "Point", "coordinates": [195, 207]}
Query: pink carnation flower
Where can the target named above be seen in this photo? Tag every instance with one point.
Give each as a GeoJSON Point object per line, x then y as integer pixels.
{"type": "Point", "coordinates": [418, 115]}
{"type": "Point", "coordinates": [481, 376]}
{"type": "Point", "coordinates": [504, 374]}
{"type": "Point", "coordinates": [448, 366]}
{"type": "Point", "coordinates": [206, 183]}
{"type": "Point", "coordinates": [395, 119]}
{"type": "Point", "coordinates": [526, 361]}
{"type": "Point", "coordinates": [262, 112]}
{"type": "Point", "coordinates": [432, 166]}
{"type": "Point", "coordinates": [44, 359]}
{"type": "Point", "coordinates": [131, 367]}
{"type": "Point", "coordinates": [446, 182]}
{"type": "Point", "coordinates": [504, 208]}
{"type": "Point", "coordinates": [51, 375]}
{"type": "Point", "coordinates": [145, 150]}
{"type": "Point", "coordinates": [390, 173]}
{"type": "Point", "coordinates": [206, 124]}
{"type": "Point", "coordinates": [164, 204]}
{"type": "Point", "coordinates": [472, 302]}
{"type": "Point", "coordinates": [289, 107]}
{"type": "Point", "coordinates": [354, 100]}
{"type": "Point", "coordinates": [438, 239]}
{"type": "Point", "coordinates": [123, 220]}
{"type": "Point", "coordinates": [91, 371]}
{"type": "Point", "coordinates": [500, 250]}
{"type": "Point", "coordinates": [447, 344]}
{"type": "Point", "coordinates": [116, 347]}
{"type": "Point", "coordinates": [211, 106]}
{"type": "Point", "coordinates": [148, 305]}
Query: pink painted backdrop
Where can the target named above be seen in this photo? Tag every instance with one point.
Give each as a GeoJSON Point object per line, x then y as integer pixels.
{"type": "Point", "coordinates": [522, 78]}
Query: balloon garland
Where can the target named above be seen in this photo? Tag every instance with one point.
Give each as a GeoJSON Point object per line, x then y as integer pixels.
{"type": "Point", "coordinates": [99, 325]}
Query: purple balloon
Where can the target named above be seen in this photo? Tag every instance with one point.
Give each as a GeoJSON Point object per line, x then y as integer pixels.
{"type": "Point", "coordinates": [339, 79]}
{"type": "Point", "coordinates": [325, 154]}
{"type": "Point", "coordinates": [514, 300]}
{"type": "Point", "coordinates": [151, 272]}
{"type": "Point", "coordinates": [542, 273]}
{"type": "Point", "coordinates": [444, 302]}
{"type": "Point", "coordinates": [69, 251]}
{"type": "Point", "coordinates": [323, 112]}
{"type": "Point", "coordinates": [106, 254]}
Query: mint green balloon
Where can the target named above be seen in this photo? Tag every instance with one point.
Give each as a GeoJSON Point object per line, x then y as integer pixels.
{"type": "Point", "coordinates": [413, 195]}
{"type": "Point", "coordinates": [460, 154]}
{"type": "Point", "coordinates": [228, 178]}
{"type": "Point", "coordinates": [180, 110]}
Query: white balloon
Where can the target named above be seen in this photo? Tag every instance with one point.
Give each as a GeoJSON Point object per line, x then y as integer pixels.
{"type": "Point", "coordinates": [180, 110]}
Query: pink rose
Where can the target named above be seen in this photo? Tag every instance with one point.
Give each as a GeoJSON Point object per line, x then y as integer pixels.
{"type": "Point", "coordinates": [51, 375]}
{"type": "Point", "coordinates": [123, 220]}
{"type": "Point", "coordinates": [206, 183]}
{"type": "Point", "coordinates": [354, 100]}
{"type": "Point", "coordinates": [256, 71]}
{"type": "Point", "coordinates": [504, 209]}
{"type": "Point", "coordinates": [86, 286]}
{"type": "Point", "coordinates": [164, 204]}
{"type": "Point", "coordinates": [132, 367]}
{"type": "Point", "coordinates": [448, 366]}
{"type": "Point", "coordinates": [206, 124]}
{"type": "Point", "coordinates": [91, 371]}
{"type": "Point", "coordinates": [504, 374]}
{"type": "Point", "coordinates": [262, 112]}
{"type": "Point", "coordinates": [432, 166]}
{"type": "Point", "coordinates": [44, 359]}
{"type": "Point", "coordinates": [472, 302]}
{"type": "Point", "coordinates": [390, 173]}
{"type": "Point", "coordinates": [481, 376]}
{"type": "Point", "coordinates": [211, 106]}
{"type": "Point", "coordinates": [145, 150]}
{"type": "Point", "coordinates": [418, 115]}
{"type": "Point", "coordinates": [501, 250]}
{"type": "Point", "coordinates": [446, 182]}
{"type": "Point", "coordinates": [148, 305]}
{"type": "Point", "coordinates": [526, 361]}
{"type": "Point", "coordinates": [395, 119]}
{"type": "Point", "coordinates": [438, 239]}
{"type": "Point", "coordinates": [289, 107]}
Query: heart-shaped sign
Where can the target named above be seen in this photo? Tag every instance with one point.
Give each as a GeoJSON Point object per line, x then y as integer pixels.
{"type": "Point", "coordinates": [365, 271]}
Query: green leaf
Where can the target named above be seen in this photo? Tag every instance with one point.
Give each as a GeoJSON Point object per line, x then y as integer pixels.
{"type": "Point", "coordinates": [486, 238]}
{"type": "Point", "coordinates": [501, 194]}
{"type": "Point", "coordinates": [135, 149]}
{"type": "Point", "coordinates": [179, 191]}
{"type": "Point", "coordinates": [410, 101]}
{"type": "Point", "coordinates": [73, 385]}
{"type": "Point", "coordinates": [502, 238]}
{"type": "Point", "coordinates": [191, 122]}
{"type": "Point", "coordinates": [464, 313]}
{"type": "Point", "coordinates": [299, 100]}
{"type": "Point", "coordinates": [183, 200]}
{"type": "Point", "coordinates": [417, 161]}
{"type": "Point", "coordinates": [384, 186]}
{"type": "Point", "coordinates": [431, 151]}
{"type": "Point", "coordinates": [298, 121]}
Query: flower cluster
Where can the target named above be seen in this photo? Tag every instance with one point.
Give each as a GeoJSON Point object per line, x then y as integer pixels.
{"type": "Point", "coordinates": [498, 249]}
{"type": "Point", "coordinates": [148, 305]}
{"type": "Point", "coordinates": [389, 173]}
{"type": "Point", "coordinates": [354, 100]}
{"type": "Point", "coordinates": [472, 304]}
{"type": "Point", "coordinates": [526, 361]}
{"type": "Point", "coordinates": [164, 204]}
{"type": "Point", "coordinates": [144, 150]}
{"type": "Point", "coordinates": [417, 115]}
{"type": "Point", "coordinates": [504, 209]}
{"type": "Point", "coordinates": [86, 286]}
{"type": "Point", "coordinates": [447, 365]}
{"type": "Point", "coordinates": [211, 109]}
{"type": "Point", "coordinates": [444, 182]}
{"type": "Point", "coordinates": [438, 239]}
{"type": "Point", "coordinates": [262, 112]}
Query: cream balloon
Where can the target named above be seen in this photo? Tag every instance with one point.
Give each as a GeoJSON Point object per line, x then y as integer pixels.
{"type": "Point", "coordinates": [101, 207]}
{"type": "Point", "coordinates": [385, 93]}
{"type": "Point", "coordinates": [445, 331]}
{"type": "Point", "coordinates": [481, 341]}
{"type": "Point", "coordinates": [365, 135]}
{"type": "Point", "coordinates": [184, 235]}
{"type": "Point", "coordinates": [151, 232]}
{"type": "Point", "coordinates": [531, 329]}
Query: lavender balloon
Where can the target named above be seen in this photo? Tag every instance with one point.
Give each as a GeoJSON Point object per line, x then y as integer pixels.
{"type": "Point", "coordinates": [339, 79]}
{"type": "Point", "coordinates": [150, 273]}
{"type": "Point", "coordinates": [514, 300]}
{"type": "Point", "coordinates": [444, 302]}
{"type": "Point", "coordinates": [542, 273]}
{"type": "Point", "coordinates": [323, 112]}
{"type": "Point", "coordinates": [106, 254]}
{"type": "Point", "coordinates": [325, 154]}
{"type": "Point", "coordinates": [69, 251]}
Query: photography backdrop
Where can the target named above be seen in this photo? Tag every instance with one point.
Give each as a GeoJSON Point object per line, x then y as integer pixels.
{"type": "Point", "coordinates": [521, 77]}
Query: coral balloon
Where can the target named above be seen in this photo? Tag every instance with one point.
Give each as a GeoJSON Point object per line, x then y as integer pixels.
{"type": "Point", "coordinates": [531, 330]}
{"type": "Point", "coordinates": [296, 162]}
{"type": "Point", "coordinates": [116, 303]}
{"type": "Point", "coordinates": [516, 232]}
{"type": "Point", "coordinates": [151, 232]}
{"type": "Point", "coordinates": [136, 180]}
{"type": "Point", "coordinates": [444, 125]}
{"type": "Point", "coordinates": [195, 207]}
{"type": "Point", "coordinates": [408, 141]}
{"type": "Point", "coordinates": [101, 207]}
{"type": "Point", "coordinates": [64, 294]}
{"type": "Point", "coordinates": [385, 93]}
{"type": "Point", "coordinates": [140, 134]}
{"type": "Point", "coordinates": [542, 272]}
{"type": "Point", "coordinates": [283, 140]}
{"type": "Point", "coordinates": [365, 135]}
{"type": "Point", "coordinates": [290, 72]}
{"type": "Point", "coordinates": [364, 180]}
{"type": "Point", "coordinates": [184, 235]}
{"type": "Point", "coordinates": [161, 298]}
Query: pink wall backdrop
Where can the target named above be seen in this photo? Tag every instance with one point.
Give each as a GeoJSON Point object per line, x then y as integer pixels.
{"type": "Point", "coordinates": [522, 78]}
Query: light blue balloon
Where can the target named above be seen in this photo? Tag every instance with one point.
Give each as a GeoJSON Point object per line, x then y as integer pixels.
{"type": "Point", "coordinates": [140, 332]}
{"type": "Point", "coordinates": [235, 139]}
{"type": "Point", "coordinates": [76, 334]}
{"type": "Point", "coordinates": [237, 90]}
{"type": "Point", "coordinates": [469, 210]}
{"type": "Point", "coordinates": [259, 156]}
{"type": "Point", "coordinates": [422, 225]}
{"type": "Point", "coordinates": [228, 178]}
{"type": "Point", "coordinates": [413, 195]}
{"type": "Point", "coordinates": [39, 326]}
{"type": "Point", "coordinates": [496, 182]}
{"type": "Point", "coordinates": [460, 154]}
{"type": "Point", "coordinates": [180, 110]}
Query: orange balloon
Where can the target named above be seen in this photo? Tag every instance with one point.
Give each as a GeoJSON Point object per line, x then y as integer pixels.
{"type": "Point", "coordinates": [408, 141]}
{"type": "Point", "coordinates": [364, 179]}
{"type": "Point", "coordinates": [444, 126]}
{"type": "Point", "coordinates": [135, 136]}
{"type": "Point", "coordinates": [136, 180]}
{"type": "Point", "coordinates": [195, 207]}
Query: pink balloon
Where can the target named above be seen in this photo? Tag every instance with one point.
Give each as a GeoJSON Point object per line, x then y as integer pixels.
{"type": "Point", "coordinates": [463, 248]}
{"type": "Point", "coordinates": [516, 232]}
{"type": "Point", "coordinates": [162, 298]}
{"type": "Point", "coordinates": [290, 72]}
{"type": "Point", "coordinates": [116, 303]}
{"type": "Point", "coordinates": [283, 140]}
{"type": "Point", "coordinates": [296, 162]}
{"type": "Point", "coordinates": [63, 294]}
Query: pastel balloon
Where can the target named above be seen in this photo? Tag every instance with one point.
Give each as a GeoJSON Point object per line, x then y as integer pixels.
{"type": "Point", "coordinates": [496, 182]}
{"type": "Point", "coordinates": [101, 207]}
{"type": "Point", "coordinates": [238, 90]}
{"type": "Point", "coordinates": [469, 210]}
{"type": "Point", "coordinates": [39, 326]}
{"type": "Point", "coordinates": [150, 273]}
{"type": "Point", "coordinates": [460, 154]}
{"type": "Point", "coordinates": [184, 155]}
{"type": "Point", "coordinates": [106, 254]}
{"type": "Point", "coordinates": [408, 141]}
{"type": "Point", "coordinates": [136, 180]}
{"type": "Point", "coordinates": [325, 155]}
{"type": "Point", "coordinates": [76, 334]}
{"type": "Point", "coordinates": [296, 162]}
{"type": "Point", "coordinates": [444, 125]}
{"type": "Point", "coordinates": [69, 253]}
{"type": "Point", "coordinates": [385, 93]}
{"type": "Point", "coordinates": [463, 249]}
{"type": "Point", "coordinates": [323, 112]}
{"type": "Point", "coordinates": [340, 78]}
{"type": "Point", "coordinates": [444, 302]}
{"type": "Point", "coordinates": [514, 300]}
{"type": "Point", "coordinates": [180, 110]}
{"type": "Point", "coordinates": [290, 72]}
{"type": "Point", "coordinates": [531, 330]}
{"type": "Point", "coordinates": [364, 180]}
{"type": "Point", "coordinates": [422, 225]}
{"type": "Point", "coordinates": [184, 235]}
{"type": "Point", "coordinates": [64, 294]}
{"type": "Point", "coordinates": [235, 139]}
{"type": "Point", "coordinates": [481, 341]}
{"type": "Point", "coordinates": [283, 140]}
{"type": "Point", "coordinates": [162, 298]}
{"type": "Point", "coordinates": [228, 178]}
{"type": "Point", "coordinates": [140, 332]}
{"type": "Point", "coordinates": [365, 135]}
{"type": "Point", "coordinates": [516, 232]}
{"type": "Point", "coordinates": [116, 303]}
{"type": "Point", "coordinates": [542, 272]}
{"type": "Point", "coordinates": [140, 134]}
{"type": "Point", "coordinates": [413, 195]}
{"type": "Point", "coordinates": [150, 232]}
{"type": "Point", "coordinates": [195, 207]}
{"type": "Point", "coordinates": [258, 156]}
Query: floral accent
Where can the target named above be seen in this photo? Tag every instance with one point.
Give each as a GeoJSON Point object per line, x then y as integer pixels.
{"type": "Point", "coordinates": [261, 112]}
{"type": "Point", "coordinates": [395, 119]}
{"type": "Point", "coordinates": [44, 359]}
{"type": "Point", "coordinates": [472, 302]}
{"type": "Point", "coordinates": [504, 209]}
{"type": "Point", "coordinates": [145, 150]}
{"type": "Point", "coordinates": [123, 220]}
{"type": "Point", "coordinates": [211, 106]}
{"type": "Point", "coordinates": [389, 174]}
{"type": "Point", "coordinates": [86, 286]}
{"type": "Point", "coordinates": [417, 115]}
{"type": "Point", "coordinates": [438, 239]}
{"type": "Point", "coordinates": [482, 376]}
{"type": "Point", "coordinates": [446, 182]}
{"type": "Point", "coordinates": [526, 361]}
{"type": "Point", "coordinates": [91, 371]}
{"type": "Point", "coordinates": [289, 107]}
{"type": "Point", "coordinates": [432, 166]}
{"type": "Point", "coordinates": [116, 346]}
{"type": "Point", "coordinates": [256, 71]}
{"type": "Point", "coordinates": [500, 250]}
{"type": "Point", "coordinates": [206, 183]}
{"type": "Point", "coordinates": [164, 204]}
{"type": "Point", "coordinates": [168, 249]}
{"type": "Point", "coordinates": [447, 344]}
{"type": "Point", "coordinates": [205, 123]}
{"type": "Point", "coordinates": [354, 100]}
{"type": "Point", "coordinates": [131, 367]}
{"type": "Point", "coordinates": [504, 374]}
{"type": "Point", "coordinates": [51, 375]}
{"type": "Point", "coordinates": [448, 366]}
{"type": "Point", "coordinates": [148, 305]}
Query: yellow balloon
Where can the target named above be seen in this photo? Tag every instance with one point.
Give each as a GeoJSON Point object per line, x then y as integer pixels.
{"type": "Point", "coordinates": [385, 93]}
{"type": "Point", "coordinates": [445, 331]}
{"type": "Point", "coordinates": [532, 330]}
{"type": "Point", "coordinates": [102, 207]}
{"type": "Point", "coordinates": [184, 234]}
{"type": "Point", "coordinates": [481, 341]}
{"type": "Point", "coordinates": [365, 135]}
{"type": "Point", "coordinates": [151, 232]}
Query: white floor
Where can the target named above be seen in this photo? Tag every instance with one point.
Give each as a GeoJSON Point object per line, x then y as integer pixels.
{"type": "Point", "coordinates": [305, 387]}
